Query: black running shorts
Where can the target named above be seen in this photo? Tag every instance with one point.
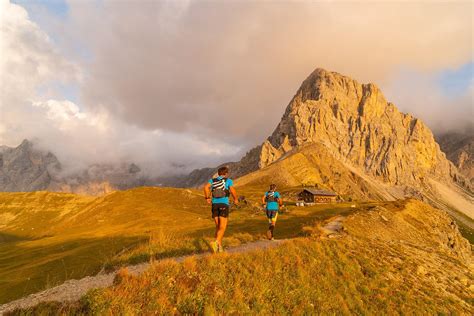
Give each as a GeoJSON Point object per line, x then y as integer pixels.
{"type": "Point", "coordinates": [220, 210]}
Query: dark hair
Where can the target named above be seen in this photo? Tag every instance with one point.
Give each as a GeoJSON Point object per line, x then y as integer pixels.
{"type": "Point", "coordinates": [273, 187]}
{"type": "Point", "coordinates": [223, 171]}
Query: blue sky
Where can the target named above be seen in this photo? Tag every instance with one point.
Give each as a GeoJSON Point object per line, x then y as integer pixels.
{"type": "Point", "coordinates": [456, 82]}
{"type": "Point", "coordinates": [58, 8]}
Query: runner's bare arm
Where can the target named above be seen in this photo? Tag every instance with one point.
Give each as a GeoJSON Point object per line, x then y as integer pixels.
{"type": "Point", "coordinates": [207, 192]}
{"type": "Point", "coordinates": [280, 201]}
{"type": "Point", "coordinates": [234, 195]}
{"type": "Point", "coordinates": [263, 200]}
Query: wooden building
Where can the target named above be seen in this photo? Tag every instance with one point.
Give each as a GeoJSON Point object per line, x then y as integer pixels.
{"type": "Point", "coordinates": [317, 196]}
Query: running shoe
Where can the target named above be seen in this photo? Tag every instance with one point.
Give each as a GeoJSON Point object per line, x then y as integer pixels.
{"type": "Point", "coordinates": [215, 246]}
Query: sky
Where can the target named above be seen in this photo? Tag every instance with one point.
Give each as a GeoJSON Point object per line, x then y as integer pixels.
{"type": "Point", "coordinates": [175, 85]}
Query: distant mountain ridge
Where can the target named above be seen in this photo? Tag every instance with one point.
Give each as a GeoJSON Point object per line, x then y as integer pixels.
{"type": "Point", "coordinates": [25, 168]}
{"type": "Point", "coordinates": [459, 148]}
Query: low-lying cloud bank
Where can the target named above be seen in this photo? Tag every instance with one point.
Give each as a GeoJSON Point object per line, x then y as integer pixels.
{"type": "Point", "coordinates": [195, 83]}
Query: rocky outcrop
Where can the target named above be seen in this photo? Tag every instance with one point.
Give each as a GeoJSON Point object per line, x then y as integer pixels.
{"type": "Point", "coordinates": [459, 148]}
{"type": "Point", "coordinates": [360, 128]}
{"type": "Point", "coordinates": [357, 124]}
{"type": "Point", "coordinates": [25, 169]}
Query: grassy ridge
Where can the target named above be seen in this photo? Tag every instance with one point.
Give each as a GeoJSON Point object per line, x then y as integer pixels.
{"type": "Point", "coordinates": [302, 277]}
{"type": "Point", "coordinates": [401, 257]}
{"type": "Point", "coordinates": [52, 237]}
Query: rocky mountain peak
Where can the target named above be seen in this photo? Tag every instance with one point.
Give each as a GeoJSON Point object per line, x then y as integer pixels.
{"type": "Point", "coordinates": [25, 145]}
{"type": "Point", "coordinates": [360, 128]}
{"type": "Point", "coordinates": [24, 168]}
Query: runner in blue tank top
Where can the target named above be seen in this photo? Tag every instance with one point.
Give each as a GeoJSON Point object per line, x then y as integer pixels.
{"type": "Point", "coordinates": [272, 202]}
{"type": "Point", "coordinates": [217, 192]}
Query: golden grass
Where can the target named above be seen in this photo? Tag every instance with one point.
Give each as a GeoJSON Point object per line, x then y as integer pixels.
{"type": "Point", "coordinates": [301, 277]}
{"type": "Point", "coordinates": [386, 263]}
{"type": "Point", "coordinates": [52, 237]}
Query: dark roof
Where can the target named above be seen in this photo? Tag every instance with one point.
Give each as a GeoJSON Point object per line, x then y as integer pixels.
{"type": "Point", "coordinates": [320, 192]}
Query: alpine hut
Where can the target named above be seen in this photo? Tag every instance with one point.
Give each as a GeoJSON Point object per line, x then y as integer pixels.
{"type": "Point", "coordinates": [317, 196]}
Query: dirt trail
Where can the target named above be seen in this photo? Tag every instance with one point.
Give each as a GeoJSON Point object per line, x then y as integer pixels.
{"type": "Point", "coordinates": [73, 290]}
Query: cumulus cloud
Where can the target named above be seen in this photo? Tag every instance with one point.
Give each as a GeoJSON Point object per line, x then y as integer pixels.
{"type": "Point", "coordinates": [229, 69]}
{"type": "Point", "coordinates": [27, 60]}
{"type": "Point", "coordinates": [78, 136]}
{"type": "Point", "coordinates": [197, 83]}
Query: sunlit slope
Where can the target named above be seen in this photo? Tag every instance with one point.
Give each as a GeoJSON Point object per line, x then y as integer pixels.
{"type": "Point", "coordinates": [51, 237]}
{"type": "Point", "coordinates": [136, 210]}
{"type": "Point", "coordinates": [38, 214]}
{"type": "Point", "coordinates": [314, 165]}
{"type": "Point", "coordinates": [32, 214]}
{"type": "Point", "coordinates": [401, 257]}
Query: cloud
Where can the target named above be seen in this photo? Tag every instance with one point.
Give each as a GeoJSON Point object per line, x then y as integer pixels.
{"type": "Point", "coordinates": [30, 107]}
{"type": "Point", "coordinates": [229, 69]}
{"type": "Point", "coordinates": [172, 82]}
{"type": "Point", "coordinates": [420, 94]}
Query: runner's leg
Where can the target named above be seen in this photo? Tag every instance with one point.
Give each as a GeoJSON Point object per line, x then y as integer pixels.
{"type": "Point", "coordinates": [221, 229]}
{"type": "Point", "coordinates": [273, 223]}
{"type": "Point", "coordinates": [216, 221]}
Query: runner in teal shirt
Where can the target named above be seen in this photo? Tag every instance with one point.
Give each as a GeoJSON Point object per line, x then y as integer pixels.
{"type": "Point", "coordinates": [272, 202]}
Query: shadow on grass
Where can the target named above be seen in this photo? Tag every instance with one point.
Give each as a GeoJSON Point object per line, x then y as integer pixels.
{"type": "Point", "coordinates": [6, 237]}
{"type": "Point", "coordinates": [27, 268]}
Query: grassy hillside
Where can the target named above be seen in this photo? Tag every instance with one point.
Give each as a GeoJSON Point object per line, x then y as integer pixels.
{"type": "Point", "coordinates": [396, 258]}
{"type": "Point", "coordinates": [314, 165]}
{"type": "Point", "coordinates": [51, 237]}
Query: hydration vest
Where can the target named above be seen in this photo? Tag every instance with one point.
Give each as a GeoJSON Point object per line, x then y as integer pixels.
{"type": "Point", "coordinates": [218, 188]}
{"type": "Point", "coordinates": [271, 197]}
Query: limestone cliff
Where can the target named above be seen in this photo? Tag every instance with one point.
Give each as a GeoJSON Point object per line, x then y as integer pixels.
{"type": "Point", "coordinates": [359, 127]}
{"type": "Point", "coordinates": [373, 148]}
{"type": "Point", "coordinates": [459, 148]}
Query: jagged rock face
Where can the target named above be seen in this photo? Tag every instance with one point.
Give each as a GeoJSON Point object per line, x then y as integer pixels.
{"type": "Point", "coordinates": [101, 179]}
{"type": "Point", "coordinates": [459, 148]}
{"type": "Point", "coordinates": [25, 169]}
{"type": "Point", "coordinates": [359, 127]}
